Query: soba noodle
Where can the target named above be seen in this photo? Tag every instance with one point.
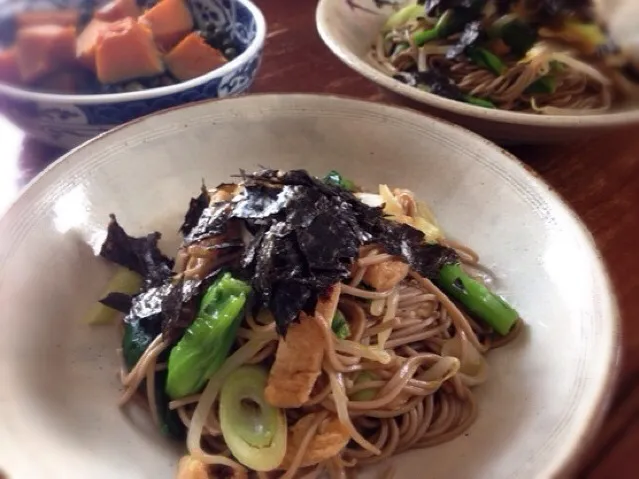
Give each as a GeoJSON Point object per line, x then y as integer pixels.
{"type": "Point", "coordinates": [401, 379]}
{"type": "Point", "coordinates": [562, 73]}
{"type": "Point", "coordinates": [421, 399]}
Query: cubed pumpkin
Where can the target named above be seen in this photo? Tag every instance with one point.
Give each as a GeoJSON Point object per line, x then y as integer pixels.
{"type": "Point", "coordinates": [87, 42]}
{"type": "Point", "coordinates": [170, 21]}
{"type": "Point", "coordinates": [126, 50]}
{"type": "Point", "coordinates": [42, 49]}
{"type": "Point", "coordinates": [193, 57]}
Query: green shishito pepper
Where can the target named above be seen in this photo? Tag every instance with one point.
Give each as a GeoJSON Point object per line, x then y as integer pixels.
{"type": "Point", "coordinates": [207, 342]}
{"type": "Point", "coordinates": [477, 298]}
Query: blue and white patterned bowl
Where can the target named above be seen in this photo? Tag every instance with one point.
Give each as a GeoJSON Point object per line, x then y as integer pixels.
{"type": "Point", "coordinates": [69, 120]}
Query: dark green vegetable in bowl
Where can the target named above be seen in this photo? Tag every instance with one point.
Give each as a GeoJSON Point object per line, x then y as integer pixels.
{"type": "Point", "coordinates": [207, 342]}
{"type": "Point", "coordinates": [515, 33]}
{"type": "Point", "coordinates": [135, 341]}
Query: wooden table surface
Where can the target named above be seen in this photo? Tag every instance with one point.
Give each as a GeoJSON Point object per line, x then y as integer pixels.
{"type": "Point", "coordinates": [598, 177]}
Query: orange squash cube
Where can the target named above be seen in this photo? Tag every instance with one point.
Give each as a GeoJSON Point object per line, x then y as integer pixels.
{"type": "Point", "coordinates": [43, 49]}
{"type": "Point", "coordinates": [170, 21]}
{"type": "Point", "coordinates": [125, 51]}
{"type": "Point", "coordinates": [193, 57]}
{"type": "Point", "coordinates": [9, 70]}
{"type": "Point", "coordinates": [87, 42]}
{"type": "Point", "coordinates": [63, 18]}
{"type": "Point", "coordinates": [117, 10]}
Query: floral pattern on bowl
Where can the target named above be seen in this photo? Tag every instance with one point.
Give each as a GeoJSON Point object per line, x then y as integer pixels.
{"type": "Point", "coordinates": [69, 120]}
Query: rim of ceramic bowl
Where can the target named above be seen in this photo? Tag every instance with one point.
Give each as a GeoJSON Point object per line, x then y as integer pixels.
{"type": "Point", "coordinates": [361, 66]}
{"type": "Point", "coordinates": [251, 50]}
{"type": "Point", "coordinates": [566, 462]}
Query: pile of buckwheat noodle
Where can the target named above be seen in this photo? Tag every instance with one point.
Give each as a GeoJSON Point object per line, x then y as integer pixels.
{"type": "Point", "coordinates": [429, 358]}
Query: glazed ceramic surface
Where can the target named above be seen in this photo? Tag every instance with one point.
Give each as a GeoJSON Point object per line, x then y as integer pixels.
{"type": "Point", "coordinates": [350, 27]}
{"type": "Point", "coordinates": [546, 392]}
{"type": "Point", "coordinates": [68, 120]}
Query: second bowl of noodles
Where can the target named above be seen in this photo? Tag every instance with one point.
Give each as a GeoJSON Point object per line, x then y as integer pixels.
{"type": "Point", "coordinates": [516, 72]}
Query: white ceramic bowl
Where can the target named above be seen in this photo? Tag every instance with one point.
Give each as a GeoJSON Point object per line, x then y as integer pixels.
{"type": "Point", "coordinates": [546, 391]}
{"type": "Point", "coordinates": [350, 27]}
{"type": "Point", "coordinates": [69, 120]}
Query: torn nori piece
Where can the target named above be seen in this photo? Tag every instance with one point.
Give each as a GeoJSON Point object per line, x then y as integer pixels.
{"type": "Point", "coordinates": [121, 302]}
{"type": "Point", "coordinates": [312, 238]}
{"type": "Point", "coordinates": [212, 222]}
{"type": "Point", "coordinates": [196, 208]}
{"type": "Point", "coordinates": [306, 236]}
{"type": "Point", "coordinates": [469, 37]}
{"type": "Point", "coordinates": [179, 308]}
{"type": "Point", "coordinates": [440, 84]}
{"type": "Point", "coordinates": [168, 308]}
{"type": "Point", "coordinates": [140, 255]}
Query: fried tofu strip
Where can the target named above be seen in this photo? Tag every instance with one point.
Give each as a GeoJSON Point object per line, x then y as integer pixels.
{"type": "Point", "coordinates": [298, 361]}
{"type": "Point", "coordinates": [386, 275]}
{"type": "Point", "coordinates": [329, 439]}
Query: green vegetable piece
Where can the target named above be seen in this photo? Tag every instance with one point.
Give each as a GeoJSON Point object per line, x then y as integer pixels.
{"type": "Point", "coordinates": [452, 21]}
{"type": "Point", "coordinates": [206, 343]}
{"type": "Point", "coordinates": [124, 281]}
{"type": "Point", "coordinates": [170, 423]}
{"type": "Point", "coordinates": [545, 84]}
{"type": "Point", "coordinates": [424, 36]}
{"type": "Point", "coordinates": [340, 326]}
{"type": "Point", "coordinates": [254, 431]}
{"type": "Point", "coordinates": [134, 342]}
{"type": "Point", "coordinates": [365, 394]}
{"type": "Point", "coordinates": [478, 299]}
{"type": "Point", "coordinates": [473, 100]}
{"type": "Point", "coordinates": [335, 178]}
{"type": "Point", "coordinates": [514, 32]}
{"type": "Point", "coordinates": [403, 16]}
{"type": "Point", "coordinates": [486, 59]}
